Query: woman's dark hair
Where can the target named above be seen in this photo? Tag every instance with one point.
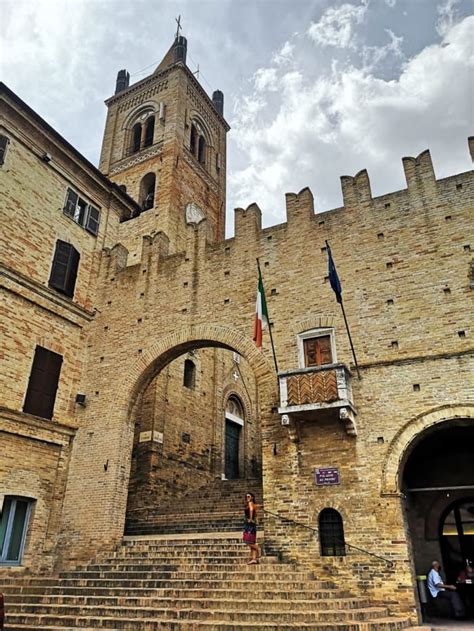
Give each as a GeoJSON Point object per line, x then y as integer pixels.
{"type": "Point", "coordinates": [251, 495]}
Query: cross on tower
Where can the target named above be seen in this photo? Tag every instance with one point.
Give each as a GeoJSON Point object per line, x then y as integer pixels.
{"type": "Point", "coordinates": [179, 27]}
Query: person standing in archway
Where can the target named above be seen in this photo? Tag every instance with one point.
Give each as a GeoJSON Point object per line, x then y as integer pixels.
{"type": "Point", "coordinates": [250, 528]}
{"type": "Point", "coordinates": [440, 590]}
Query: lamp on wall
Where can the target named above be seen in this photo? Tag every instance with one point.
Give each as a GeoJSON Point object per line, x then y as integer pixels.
{"type": "Point", "coordinates": [81, 400]}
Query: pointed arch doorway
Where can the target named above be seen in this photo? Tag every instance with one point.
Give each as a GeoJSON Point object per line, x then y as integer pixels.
{"type": "Point", "coordinates": [234, 427]}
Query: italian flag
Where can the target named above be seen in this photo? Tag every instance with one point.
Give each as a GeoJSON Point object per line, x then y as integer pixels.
{"type": "Point", "coordinates": [261, 313]}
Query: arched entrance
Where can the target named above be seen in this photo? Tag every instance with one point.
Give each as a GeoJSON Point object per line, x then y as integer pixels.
{"type": "Point", "coordinates": [234, 428]}
{"type": "Point", "coordinates": [181, 447]}
{"type": "Point", "coordinates": [437, 483]}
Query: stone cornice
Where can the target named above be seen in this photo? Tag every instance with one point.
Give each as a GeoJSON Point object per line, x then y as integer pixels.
{"type": "Point", "coordinates": [34, 427]}
{"type": "Point", "coordinates": [43, 296]}
{"type": "Point", "coordinates": [136, 158]}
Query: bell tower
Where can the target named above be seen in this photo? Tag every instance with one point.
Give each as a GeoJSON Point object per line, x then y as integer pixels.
{"type": "Point", "coordinates": [165, 143]}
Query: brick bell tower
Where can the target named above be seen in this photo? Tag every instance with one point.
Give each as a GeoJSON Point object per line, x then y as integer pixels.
{"type": "Point", "coordinates": [165, 143]}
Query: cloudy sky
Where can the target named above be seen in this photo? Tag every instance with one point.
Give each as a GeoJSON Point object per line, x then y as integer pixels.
{"type": "Point", "coordinates": [314, 89]}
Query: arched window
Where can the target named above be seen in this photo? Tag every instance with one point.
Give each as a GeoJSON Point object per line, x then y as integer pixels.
{"type": "Point", "coordinates": [149, 131]}
{"type": "Point", "coordinates": [331, 533]}
{"type": "Point", "coordinates": [202, 150]}
{"type": "Point", "coordinates": [147, 191]}
{"type": "Point", "coordinates": [193, 140]}
{"type": "Point", "coordinates": [136, 137]}
{"type": "Point", "coordinates": [189, 377]}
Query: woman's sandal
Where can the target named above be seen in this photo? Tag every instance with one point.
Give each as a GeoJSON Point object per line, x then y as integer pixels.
{"type": "Point", "coordinates": [253, 562]}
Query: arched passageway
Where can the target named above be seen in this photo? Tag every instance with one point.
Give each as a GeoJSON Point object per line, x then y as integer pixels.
{"type": "Point", "coordinates": [437, 482]}
{"type": "Point", "coordinates": [197, 422]}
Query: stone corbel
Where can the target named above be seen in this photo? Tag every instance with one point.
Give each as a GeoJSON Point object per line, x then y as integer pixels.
{"type": "Point", "coordinates": [347, 416]}
{"type": "Point", "coordinates": [293, 427]}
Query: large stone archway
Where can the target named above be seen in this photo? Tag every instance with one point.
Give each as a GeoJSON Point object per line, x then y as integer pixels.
{"type": "Point", "coordinates": [403, 441]}
{"type": "Point", "coordinates": [96, 498]}
{"type": "Point", "coordinates": [161, 352]}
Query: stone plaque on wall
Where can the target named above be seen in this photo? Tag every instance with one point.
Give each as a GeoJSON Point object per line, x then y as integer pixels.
{"type": "Point", "coordinates": [145, 437]}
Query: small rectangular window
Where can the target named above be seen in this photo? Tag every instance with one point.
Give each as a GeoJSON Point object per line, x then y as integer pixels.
{"type": "Point", "coordinates": [4, 141]}
{"type": "Point", "coordinates": [64, 269]}
{"type": "Point", "coordinates": [43, 383]}
{"type": "Point", "coordinates": [13, 526]}
{"type": "Point", "coordinates": [317, 351]}
{"type": "Point", "coordinates": [81, 212]}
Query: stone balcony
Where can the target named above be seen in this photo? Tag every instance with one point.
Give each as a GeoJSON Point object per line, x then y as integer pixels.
{"type": "Point", "coordinates": [315, 393]}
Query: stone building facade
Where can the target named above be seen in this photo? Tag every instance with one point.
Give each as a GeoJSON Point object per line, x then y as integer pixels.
{"type": "Point", "coordinates": [158, 285]}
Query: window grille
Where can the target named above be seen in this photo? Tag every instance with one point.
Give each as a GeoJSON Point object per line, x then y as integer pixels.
{"type": "Point", "coordinates": [331, 533]}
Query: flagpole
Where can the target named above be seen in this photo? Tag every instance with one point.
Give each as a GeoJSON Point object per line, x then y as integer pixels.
{"type": "Point", "coordinates": [350, 340]}
{"type": "Point", "coordinates": [269, 322]}
{"type": "Point", "coordinates": [336, 286]}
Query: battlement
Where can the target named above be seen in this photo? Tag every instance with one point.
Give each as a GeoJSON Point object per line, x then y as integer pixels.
{"type": "Point", "coordinates": [301, 215]}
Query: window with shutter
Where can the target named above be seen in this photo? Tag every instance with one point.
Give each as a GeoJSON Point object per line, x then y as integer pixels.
{"type": "Point", "coordinates": [4, 140]}
{"type": "Point", "coordinates": [81, 212]}
{"type": "Point", "coordinates": [317, 351]}
{"type": "Point", "coordinates": [64, 269]}
{"type": "Point", "coordinates": [71, 203]}
{"type": "Point", "coordinates": [92, 223]}
{"type": "Point", "coordinates": [43, 383]}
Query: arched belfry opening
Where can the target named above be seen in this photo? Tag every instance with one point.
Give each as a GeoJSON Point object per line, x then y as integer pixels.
{"type": "Point", "coordinates": [196, 430]}
{"type": "Point", "coordinates": [437, 484]}
{"type": "Point", "coordinates": [147, 191]}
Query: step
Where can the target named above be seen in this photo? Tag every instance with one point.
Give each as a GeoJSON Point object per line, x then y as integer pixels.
{"type": "Point", "coordinates": [259, 592]}
{"type": "Point", "coordinates": [143, 624]}
{"type": "Point", "coordinates": [228, 602]}
{"type": "Point", "coordinates": [172, 613]}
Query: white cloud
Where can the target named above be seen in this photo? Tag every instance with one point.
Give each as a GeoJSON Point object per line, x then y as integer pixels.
{"type": "Point", "coordinates": [336, 25]}
{"type": "Point", "coordinates": [265, 79]}
{"type": "Point", "coordinates": [349, 119]}
{"type": "Point", "coordinates": [391, 3]}
{"type": "Point", "coordinates": [284, 55]}
{"type": "Point", "coordinates": [373, 55]}
{"type": "Point", "coordinates": [446, 16]}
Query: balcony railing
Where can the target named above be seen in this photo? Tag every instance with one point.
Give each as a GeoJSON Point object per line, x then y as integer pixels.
{"type": "Point", "coordinates": [309, 393]}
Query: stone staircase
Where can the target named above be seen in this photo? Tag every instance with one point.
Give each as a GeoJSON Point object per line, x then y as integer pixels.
{"type": "Point", "coordinates": [189, 581]}
{"type": "Point", "coordinates": [184, 583]}
{"type": "Point", "coordinates": [217, 507]}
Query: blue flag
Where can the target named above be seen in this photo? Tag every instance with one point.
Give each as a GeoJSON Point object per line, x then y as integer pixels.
{"type": "Point", "coordinates": [333, 277]}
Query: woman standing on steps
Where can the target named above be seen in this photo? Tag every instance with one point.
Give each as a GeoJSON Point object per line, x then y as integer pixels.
{"type": "Point", "coordinates": [250, 529]}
